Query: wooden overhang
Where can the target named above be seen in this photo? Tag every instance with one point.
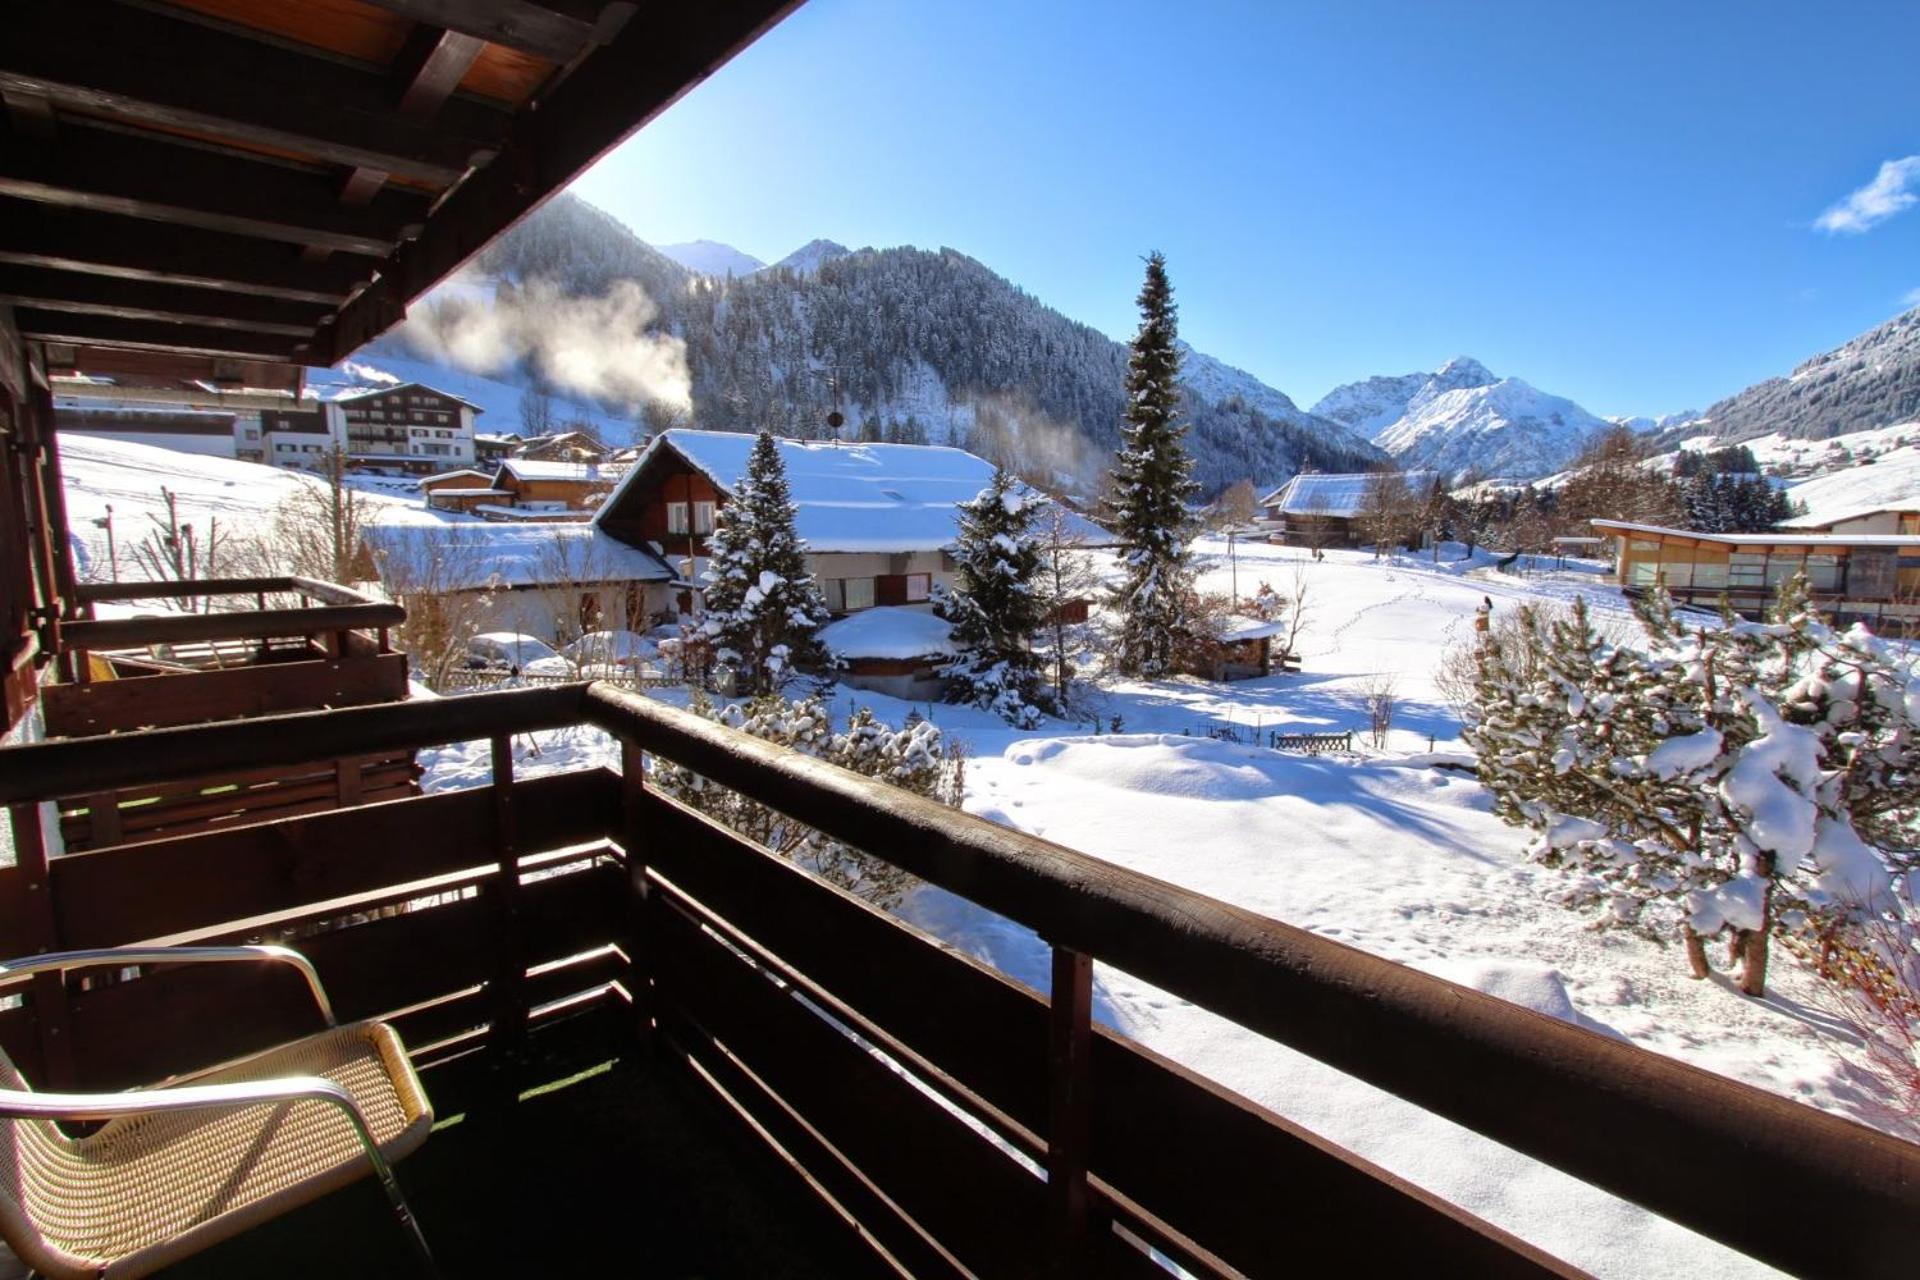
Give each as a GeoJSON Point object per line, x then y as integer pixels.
{"type": "Point", "coordinates": [227, 191]}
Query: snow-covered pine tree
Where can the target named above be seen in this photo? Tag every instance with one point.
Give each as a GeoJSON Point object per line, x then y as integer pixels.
{"type": "Point", "coordinates": [995, 607]}
{"type": "Point", "coordinates": [1744, 780]}
{"type": "Point", "coordinates": [763, 611]}
{"type": "Point", "coordinates": [1152, 482]}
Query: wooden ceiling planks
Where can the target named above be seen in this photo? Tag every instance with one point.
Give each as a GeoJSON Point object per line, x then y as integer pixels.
{"type": "Point", "coordinates": [268, 181]}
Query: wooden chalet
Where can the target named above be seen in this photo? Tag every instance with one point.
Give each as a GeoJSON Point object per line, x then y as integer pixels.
{"type": "Point", "coordinates": [665, 1042]}
{"type": "Point", "coordinates": [535, 485]}
{"type": "Point", "coordinates": [878, 519]}
{"type": "Point", "coordinates": [1865, 577]}
{"type": "Point", "coordinates": [1324, 510]}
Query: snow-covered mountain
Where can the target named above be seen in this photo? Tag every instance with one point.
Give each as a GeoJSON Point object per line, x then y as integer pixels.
{"type": "Point", "coordinates": [1464, 417]}
{"type": "Point", "coordinates": [808, 258]}
{"type": "Point", "coordinates": [711, 258]}
{"type": "Point", "coordinates": [1644, 425]}
{"type": "Point", "coordinates": [1872, 381]}
{"type": "Point", "coordinates": [913, 345]}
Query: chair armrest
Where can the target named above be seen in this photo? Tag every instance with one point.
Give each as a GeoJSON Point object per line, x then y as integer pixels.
{"type": "Point", "coordinates": [173, 955]}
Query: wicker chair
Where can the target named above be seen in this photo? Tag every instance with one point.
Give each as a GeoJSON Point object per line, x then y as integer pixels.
{"type": "Point", "coordinates": [175, 1169]}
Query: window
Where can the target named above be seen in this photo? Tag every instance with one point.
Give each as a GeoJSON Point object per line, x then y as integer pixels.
{"type": "Point", "coordinates": [858, 593]}
{"type": "Point", "coordinates": [1823, 572]}
{"type": "Point", "coordinates": [703, 517]}
{"type": "Point", "coordinates": [253, 433]}
{"type": "Point", "coordinates": [676, 517]}
{"type": "Point", "coordinates": [1709, 576]}
{"type": "Point", "coordinates": [835, 592]}
{"type": "Point", "coordinates": [919, 586]}
{"type": "Point", "coordinates": [1746, 569]}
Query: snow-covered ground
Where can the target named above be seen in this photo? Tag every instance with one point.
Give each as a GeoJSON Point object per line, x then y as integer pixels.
{"type": "Point", "coordinates": [131, 478]}
{"type": "Point", "coordinates": [1376, 850]}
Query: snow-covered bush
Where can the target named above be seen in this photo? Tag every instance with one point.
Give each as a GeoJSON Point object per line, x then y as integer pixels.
{"type": "Point", "coordinates": [995, 606]}
{"type": "Point", "coordinates": [1745, 779]}
{"type": "Point", "coordinates": [1872, 987]}
{"type": "Point", "coordinates": [914, 757]}
{"type": "Point", "coordinates": [763, 611]}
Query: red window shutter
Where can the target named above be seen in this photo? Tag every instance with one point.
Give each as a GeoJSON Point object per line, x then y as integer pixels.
{"type": "Point", "coordinates": [890, 589]}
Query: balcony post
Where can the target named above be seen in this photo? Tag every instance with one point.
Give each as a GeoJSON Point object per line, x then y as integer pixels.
{"type": "Point", "coordinates": [1069, 1110]}
{"type": "Point", "coordinates": [633, 799]}
{"type": "Point", "coordinates": [39, 931]}
{"type": "Point", "coordinates": [508, 1014]}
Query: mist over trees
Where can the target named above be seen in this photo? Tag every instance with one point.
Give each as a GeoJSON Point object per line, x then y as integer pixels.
{"type": "Point", "coordinates": [912, 345]}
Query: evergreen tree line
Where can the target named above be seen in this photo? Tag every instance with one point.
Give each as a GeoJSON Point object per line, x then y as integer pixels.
{"type": "Point", "coordinates": [905, 343]}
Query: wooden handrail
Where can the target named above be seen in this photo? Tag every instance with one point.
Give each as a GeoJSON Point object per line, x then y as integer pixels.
{"type": "Point", "coordinates": [1596, 1108]}
{"type": "Point", "coordinates": [252, 624]}
{"type": "Point", "coordinates": [330, 592]}
{"type": "Point", "coordinates": [43, 770]}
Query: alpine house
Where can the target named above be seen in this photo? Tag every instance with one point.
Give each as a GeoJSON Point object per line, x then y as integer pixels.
{"type": "Point", "coordinates": [877, 519]}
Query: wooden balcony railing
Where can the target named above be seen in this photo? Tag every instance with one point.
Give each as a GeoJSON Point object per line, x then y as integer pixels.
{"type": "Point", "coordinates": [965, 1122]}
{"type": "Point", "coordinates": [292, 644]}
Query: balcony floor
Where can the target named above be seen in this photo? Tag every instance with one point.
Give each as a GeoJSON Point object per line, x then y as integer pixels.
{"type": "Point", "coordinates": [598, 1163]}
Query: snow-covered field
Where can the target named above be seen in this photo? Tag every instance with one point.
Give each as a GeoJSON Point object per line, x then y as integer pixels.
{"type": "Point", "coordinates": [1379, 850]}
{"type": "Point", "coordinates": [127, 480]}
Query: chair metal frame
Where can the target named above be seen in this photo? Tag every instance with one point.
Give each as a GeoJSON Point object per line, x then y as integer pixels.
{"type": "Point", "coordinates": [27, 1104]}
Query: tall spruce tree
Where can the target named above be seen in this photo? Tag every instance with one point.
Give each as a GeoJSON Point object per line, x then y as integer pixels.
{"type": "Point", "coordinates": [995, 607]}
{"type": "Point", "coordinates": [764, 612]}
{"type": "Point", "coordinates": [1152, 482]}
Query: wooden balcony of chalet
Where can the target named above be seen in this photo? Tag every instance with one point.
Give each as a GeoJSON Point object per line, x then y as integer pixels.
{"type": "Point", "coordinates": [647, 1038]}
{"type": "Point", "coordinates": [221, 649]}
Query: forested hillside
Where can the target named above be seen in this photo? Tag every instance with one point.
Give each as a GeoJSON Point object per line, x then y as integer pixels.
{"type": "Point", "coordinates": [916, 345]}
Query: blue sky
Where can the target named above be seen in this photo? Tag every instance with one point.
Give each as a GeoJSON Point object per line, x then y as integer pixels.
{"type": "Point", "coordinates": [1621, 202]}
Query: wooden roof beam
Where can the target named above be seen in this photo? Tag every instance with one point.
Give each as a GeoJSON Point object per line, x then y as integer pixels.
{"type": "Point", "coordinates": [78, 329]}
{"type": "Point", "coordinates": [427, 71]}
{"type": "Point", "coordinates": [144, 67]}
{"type": "Point", "coordinates": [110, 171]}
{"type": "Point", "coordinates": [557, 30]}
{"type": "Point", "coordinates": [116, 362]}
{"type": "Point", "coordinates": [54, 290]}
{"type": "Point", "coordinates": [641, 73]}
{"type": "Point", "coordinates": [100, 244]}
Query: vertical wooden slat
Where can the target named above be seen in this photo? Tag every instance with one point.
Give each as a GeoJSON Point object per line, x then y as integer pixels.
{"type": "Point", "coordinates": [1069, 1110]}
{"type": "Point", "coordinates": [510, 972]}
{"type": "Point", "coordinates": [633, 835]}
{"type": "Point", "coordinates": [39, 932]}
{"type": "Point", "coordinates": [348, 781]}
{"type": "Point", "coordinates": [103, 816]}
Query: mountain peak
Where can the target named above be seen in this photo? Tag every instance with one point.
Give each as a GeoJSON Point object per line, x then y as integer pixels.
{"type": "Point", "coordinates": [711, 258]}
{"type": "Point", "coordinates": [1464, 371]}
{"type": "Point", "coordinates": [808, 258]}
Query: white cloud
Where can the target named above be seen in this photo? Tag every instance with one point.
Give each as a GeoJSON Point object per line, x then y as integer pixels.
{"type": "Point", "coordinates": [1890, 192]}
{"type": "Point", "coordinates": [1911, 298]}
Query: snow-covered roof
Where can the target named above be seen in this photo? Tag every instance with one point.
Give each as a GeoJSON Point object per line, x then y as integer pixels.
{"type": "Point", "coordinates": [1332, 494]}
{"type": "Point", "coordinates": [533, 469]}
{"type": "Point", "coordinates": [852, 497]}
{"type": "Point", "coordinates": [889, 632]}
{"type": "Point", "coordinates": [458, 471]}
{"type": "Point", "coordinates": [1234, 630]}
{"type": "Point", "coordinates": [551, 514]}
{"type": "Point", "coordinates": [482, 492]}
{"type": "Point", "coordinates": [1767, 539]}
{"type": "Point", "coordinates": [351, 394]}
{"type": "Point", "coordinates": [475, 554]}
